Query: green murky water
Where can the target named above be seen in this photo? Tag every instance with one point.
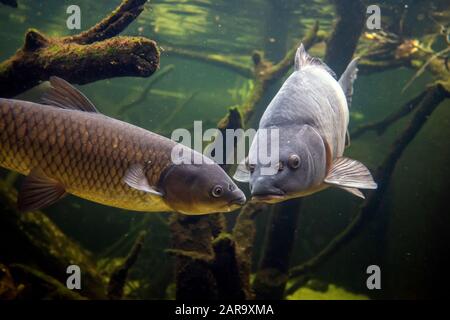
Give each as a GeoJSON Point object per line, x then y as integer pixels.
{"type": "Point", "coordinates": [408, 236]}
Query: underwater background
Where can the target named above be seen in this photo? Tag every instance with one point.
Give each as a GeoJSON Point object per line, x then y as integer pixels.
{"type": "Point", "coordinates": [407, 235]}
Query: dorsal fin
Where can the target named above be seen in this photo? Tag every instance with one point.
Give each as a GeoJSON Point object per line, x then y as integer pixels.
{"type": "Point", "coordinates": [347, 79]}
{"type": "Point", "coordinates": [303, 59]}
{"type": "Point", "coordinates": [63, 95]}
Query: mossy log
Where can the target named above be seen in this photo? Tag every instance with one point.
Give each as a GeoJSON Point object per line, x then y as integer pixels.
{"type": "Point", "coordinates": [231, 283]}
{"type": "Point", "coordinates": [208, 267]}
{"type": "Point", "coordinates": [368, 66]}
{"type": "Point", "coordinates": [119, 276]}
{"type": "Point", "coordinates": [38, 285]}
{"type": "Point", "coordinates": [244, 233]}
{"type": "Point", "coordinates": [420, 60]}
{"type": "Point", "coordinates": [192, 246]}
{"type": "Point", "coordinates": [92, 55]}
{"type": "Point", "coordinates": [273, 270]}
{"type": "Point", "coordinates": [9, 289]}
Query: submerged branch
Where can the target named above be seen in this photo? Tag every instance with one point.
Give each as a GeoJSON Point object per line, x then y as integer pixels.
{"type": "Point", "coordinates": [266, 73]}
{"type": "Point", "coordinates": [434, 65]}
{"type": "Point", "coordinates": [350, 18]}
{"type": "Point", "coordinates": [380, 126]}
{"type": "Point", "coordinates": [244, 233]}
{"type": "Point", "coordinates": [214, 59]}
{"type": "Point", "coordinates": [154, 80]}
{"type": "Point", "coordinates": [37, 282]}
{"type": "Point", "coordinates": [176, 110]}
{"type": "Point", "coordinates": [272, 274]}
{"type": "Point", "coordinates": [43, 245]}
{"type": "Point", "coordinates": [280, 69]}
{"type": "Point", "coordinates": [112, 25]}
{"type": "Point", "coordinates": [192, 245]}
{"type": "Point", "coordinates": [119, 275]}
{"type": "Point", "coordinates": [232, 284]}
{"type": "Point", "coordinates": [391, 51]}
{"type": "Point", "coordinates": [83, 58]}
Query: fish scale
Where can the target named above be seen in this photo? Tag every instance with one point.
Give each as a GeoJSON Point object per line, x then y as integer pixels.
{"type": "Point", "coordinates": [83, 151]}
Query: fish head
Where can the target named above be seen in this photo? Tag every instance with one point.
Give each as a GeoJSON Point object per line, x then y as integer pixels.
{"type": "Point", "coordinates": [299, 168]}
{"type": "Point", "coordinates": [201, 189]}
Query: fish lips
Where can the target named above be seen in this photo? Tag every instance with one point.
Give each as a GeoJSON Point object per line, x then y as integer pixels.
{"type": "Point", "coordinates": [236, 203]}
{"type": "Point", "coordinates": [272, 197]}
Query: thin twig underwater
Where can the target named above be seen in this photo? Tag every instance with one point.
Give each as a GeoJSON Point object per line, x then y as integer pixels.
{"type": "Point", "coordinates": [144, 93]}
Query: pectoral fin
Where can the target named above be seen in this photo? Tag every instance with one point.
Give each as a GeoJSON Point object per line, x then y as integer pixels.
{"type": "Point", "coordinates": [350, 173]}
{"type": "Point", "coordinates": [135, 178]}
{"type": "Point", "coordinates": [242, 174]}
{"type": "Point", "coordinates": [354, 191]}
{"type": "Point", "coordinates": [39, 191]}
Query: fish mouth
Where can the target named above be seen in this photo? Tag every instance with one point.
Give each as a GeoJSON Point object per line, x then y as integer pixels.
{"type": "Point", "coordinates": [269, 197]}
{"type": "Point", "coordinates": [236, 203]}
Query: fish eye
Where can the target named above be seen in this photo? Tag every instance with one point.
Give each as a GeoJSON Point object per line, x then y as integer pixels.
{"type": "Point", "coordinates": [294, 161]}
{"type": "Point", "coordinates": [217, 191]}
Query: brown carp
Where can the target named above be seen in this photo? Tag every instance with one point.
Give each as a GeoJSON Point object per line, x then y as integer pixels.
{"type": "Point", "coordinates": [67, 146]}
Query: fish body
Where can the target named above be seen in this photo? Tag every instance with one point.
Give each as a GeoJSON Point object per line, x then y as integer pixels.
{"type": "Point", "coordinates": [311, 114]}
{"type": "Point", "coordinates": [68, 147]}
